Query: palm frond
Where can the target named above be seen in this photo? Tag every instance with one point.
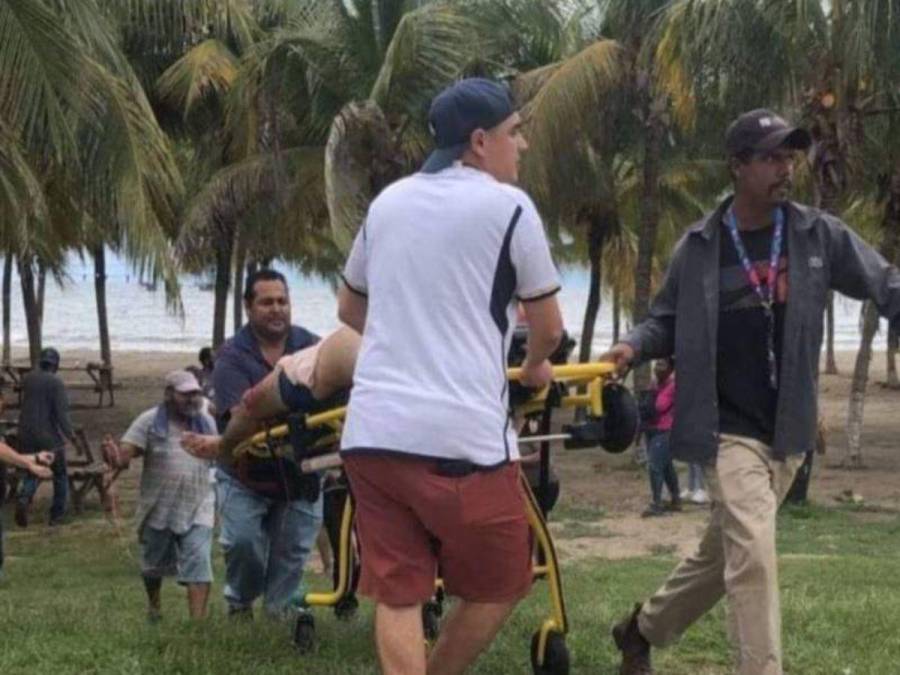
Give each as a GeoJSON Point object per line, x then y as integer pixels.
{"type": "Point", "coordinates": [42, 80]}
{"type": "Point", "coordinates": [723, 53]}
{"type": "Point", "coordinates": [672, 77]}
{"type": "Point", "coordinates": [239, 188]}
{"type": "Point", "coordinates": [358, 141]}
{"type": "Point", "coordinates": [172, 25]}
{"type": "Point", "coordinates": [429, 49]}
{"type": "Point", "coordinates": [21, 192]}
{"type": "Point", "coordinates": [567, 109]}
{"type": "Point", "coordinates": [207, 70]}
{"type": "Point", "coordinates": [131, 181]}
{"type": "Point", "coordinates": [525, 86]}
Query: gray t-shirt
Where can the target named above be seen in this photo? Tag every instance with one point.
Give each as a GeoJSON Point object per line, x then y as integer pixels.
{"type": "Point", "coordinates": [175, 489]}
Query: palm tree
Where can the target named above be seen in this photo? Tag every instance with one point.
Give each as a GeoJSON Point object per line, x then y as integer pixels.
{"type": "Point", "coordinates": [188, 56]}
{"type": "Point", "coordinates": [345, 70]}
{"type": "Point", "coordinates": [81, 144]}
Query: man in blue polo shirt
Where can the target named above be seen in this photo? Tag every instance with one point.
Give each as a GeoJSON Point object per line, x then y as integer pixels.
{"type": "Point", "coordinates": [269, 520]}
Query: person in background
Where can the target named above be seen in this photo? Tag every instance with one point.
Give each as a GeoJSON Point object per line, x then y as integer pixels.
{"type": "Point", "coordinates": [207, 366]}
{"type": "Point", "coordinates": [696, 489]}
{"type": "Point", "coordinates": [44, 425]}
{"type": "Point", "coordinates": [176, 505]}
{"type": "Point", "coordinates": [659, 455]}
{"type": "Point", "coordinates": [741, 308]}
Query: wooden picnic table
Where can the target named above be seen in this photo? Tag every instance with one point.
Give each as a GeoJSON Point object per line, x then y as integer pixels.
{"type": "Point", "coordinates": [85, 471]}
{"type": "Point", "coordinates": [100, 374]}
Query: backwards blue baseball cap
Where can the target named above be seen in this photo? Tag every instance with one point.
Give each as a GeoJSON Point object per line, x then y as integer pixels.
{"type": "Point", "coordinates": [470, 104]}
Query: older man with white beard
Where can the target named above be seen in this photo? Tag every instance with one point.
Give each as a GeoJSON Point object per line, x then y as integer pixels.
{"type": "Point", "coordinates": [176, 505]}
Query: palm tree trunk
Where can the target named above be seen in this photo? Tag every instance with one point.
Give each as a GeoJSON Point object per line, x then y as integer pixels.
{"type": "Point", "coordinates": [7, 306]}
{"type": "Point", "coordinates": [223, 276]}
{"type": "Point", "coordinates": [597, 229]}
{"type": "Point", "coordinates": [616, 315]}
{"type": "Point", "coordinates": [29, 303]}
{"type": "Point", "coordinates": [893, 342]}
{"type": "Point", "coordinates": [98, 253]}
{"type": "Point", "coordinates": [830, 361]}
{"type": "Point", "coordinates": [653, 136]}
{"type": "Point", "coordinates": [858, 386]}
{"type": "Point", "coordinates": [827, 185]}
{"type": "Point", "coordinates": [240, 258]}
{"type": "Point", "coordinates": [889, 249]}
{"type": "Point", "coordinates": [41, 291]}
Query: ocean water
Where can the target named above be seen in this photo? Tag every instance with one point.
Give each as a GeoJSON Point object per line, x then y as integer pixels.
{"type": "Point", "coordinates": [139, 319]}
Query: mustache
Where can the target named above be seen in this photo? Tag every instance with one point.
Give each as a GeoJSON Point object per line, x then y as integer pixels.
{"type": "Point", "coordinates": [784, 184]}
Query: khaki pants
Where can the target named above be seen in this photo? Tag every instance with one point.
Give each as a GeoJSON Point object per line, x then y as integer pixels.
{"type": "Point", "coordinates": [736, 557]}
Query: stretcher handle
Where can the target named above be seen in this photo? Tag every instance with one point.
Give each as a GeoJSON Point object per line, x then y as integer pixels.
{"type": "Point", "coordinates": [581, 370]}
{"type": "Point", "coordinates": [321, 463]}
{"type": "Point", "coordinates": [333, 459]}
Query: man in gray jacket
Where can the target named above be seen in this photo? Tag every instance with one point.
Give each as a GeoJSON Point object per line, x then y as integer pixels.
{"type": "Point", "coordinates": [44, 425]}
{"type": "Point", "coordinates": [741, 309]}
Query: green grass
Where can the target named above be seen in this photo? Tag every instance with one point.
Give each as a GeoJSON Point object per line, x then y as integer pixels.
{"type": "Point", "coordinates": [72, 602]}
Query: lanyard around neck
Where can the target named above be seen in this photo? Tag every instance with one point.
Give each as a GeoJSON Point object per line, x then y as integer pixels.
{"type": "Point", "coordinates": [767, 297]}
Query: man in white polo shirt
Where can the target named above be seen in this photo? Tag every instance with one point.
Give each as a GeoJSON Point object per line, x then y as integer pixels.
{"type": "Point", "coordinates": [432, 283]}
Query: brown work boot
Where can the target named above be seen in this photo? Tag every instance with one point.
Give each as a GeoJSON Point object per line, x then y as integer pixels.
{"type": "Point", "coordinates": [634, 647]}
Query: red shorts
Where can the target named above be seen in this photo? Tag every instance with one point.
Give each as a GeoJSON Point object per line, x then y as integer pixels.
{"type": "Point", "coordinates": [410, 520]}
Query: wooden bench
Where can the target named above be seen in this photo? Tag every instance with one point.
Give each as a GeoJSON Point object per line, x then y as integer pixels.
{"type": "Point", "coordinates": [101, 383]}
{"type": "Point", "coordinates": [84, 471]}
{"type": "Point", "coordinates": [100, 374]}
{"type": "Point", "coordinates": [87, 472]}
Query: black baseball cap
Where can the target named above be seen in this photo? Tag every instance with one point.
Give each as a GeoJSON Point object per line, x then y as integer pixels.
{"type": "Point", "coordinates": [762, 130]}
{"type": "Point", "coordinates": [470, 104]}
{"type": "Point", "coordinates": [49, 357]}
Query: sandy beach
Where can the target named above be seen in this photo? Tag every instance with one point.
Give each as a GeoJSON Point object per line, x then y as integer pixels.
{"type": "Point", "coordinates": [591, 479]}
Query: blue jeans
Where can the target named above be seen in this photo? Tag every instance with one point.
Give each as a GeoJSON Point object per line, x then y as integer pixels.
{"type": "Point", "coordinates": [60, 486]}
{"type": "Point", "coordinates": [266, 543]}
{"type": "Point", "coordinates": [661, 468]}
{"type": "Point", "coordinates": [695, 477]}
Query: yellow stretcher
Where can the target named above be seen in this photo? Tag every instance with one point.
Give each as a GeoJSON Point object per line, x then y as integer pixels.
{"type": "Point", "coordinates": [610, 422]}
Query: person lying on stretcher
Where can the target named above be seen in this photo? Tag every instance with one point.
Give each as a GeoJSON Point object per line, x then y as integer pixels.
{"type": "Point", "coordinates": [303, 381]}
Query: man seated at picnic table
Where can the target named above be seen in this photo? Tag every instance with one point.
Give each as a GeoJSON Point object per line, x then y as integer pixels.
{"type": "Point", "coordinates": [44, 425]}
{"type": "Point", "coordinates": [177, 503]}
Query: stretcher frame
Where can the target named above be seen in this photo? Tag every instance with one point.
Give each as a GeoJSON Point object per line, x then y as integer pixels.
{"type": "Point", "coordinates": [549, 654]}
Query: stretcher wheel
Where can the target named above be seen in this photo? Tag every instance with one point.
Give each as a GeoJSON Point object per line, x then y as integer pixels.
{"type": "Point", "coordinates": [556, 655]}
{"type": "Point", "coordinates": [346, 607]}
{"type": "Point", "coordinates": [431, 620]}
{"type": "Point", "coordinates": [304, 632]}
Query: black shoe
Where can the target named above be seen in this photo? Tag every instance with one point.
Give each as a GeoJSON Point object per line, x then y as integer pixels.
{"type": "Point", "coordinates": [21, 514]}
{"type": "Point", "coordinates": [654, 510]}
{"type": "Point", "coordinates": [240, 613]}
{"type": "Point", "coordinates": [56, 521]}
{"type": "Point", "coordinates": [634, 647]}
{"type": "Point", "coordinates": [675, 505]}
